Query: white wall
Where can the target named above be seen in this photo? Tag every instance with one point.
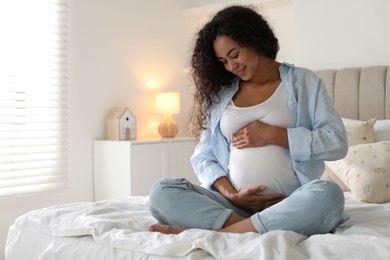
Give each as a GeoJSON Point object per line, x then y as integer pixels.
{"type": "Point", "coordinates": [125, 51]}
{"type": "Point", "coordinates": [341, 33]}
{"type": "Point", "coordinates": [118, 47]}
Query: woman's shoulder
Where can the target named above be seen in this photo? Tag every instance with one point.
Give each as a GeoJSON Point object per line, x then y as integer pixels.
{"type": "Point", "coordinates": [228, 91]}
{"type": "Point", "coordinates": [299, 71]}
{"type": "Point", "coordinates": [301, 77]}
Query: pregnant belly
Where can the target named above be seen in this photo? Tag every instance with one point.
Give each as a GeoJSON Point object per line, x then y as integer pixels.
{"type": "Point", "coordinates": [270, 166]}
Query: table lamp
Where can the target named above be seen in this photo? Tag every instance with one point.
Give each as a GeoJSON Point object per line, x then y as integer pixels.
{"type": "Point", "coordinates": [167, 103]}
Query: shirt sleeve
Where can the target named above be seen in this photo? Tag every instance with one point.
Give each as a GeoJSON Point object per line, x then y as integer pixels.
{"type": "Point", "coordinates": [320, 133]}
{"type": "Point", "coordinates": [204, 161]}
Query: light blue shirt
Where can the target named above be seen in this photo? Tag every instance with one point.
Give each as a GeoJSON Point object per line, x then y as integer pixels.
{"type": "Point", "coordinates": [318, 134]}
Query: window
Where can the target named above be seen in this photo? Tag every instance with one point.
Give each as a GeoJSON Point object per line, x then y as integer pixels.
{"type": "Point", "coordinates": [33, 85]}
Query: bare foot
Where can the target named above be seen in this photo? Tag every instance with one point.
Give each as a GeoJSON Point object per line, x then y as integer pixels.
{"type": "Point", "coordinates": [166, 229]}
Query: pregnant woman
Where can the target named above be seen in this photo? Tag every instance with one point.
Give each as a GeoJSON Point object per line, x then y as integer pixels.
{"type": "Point", "coordinates": [264, 128]}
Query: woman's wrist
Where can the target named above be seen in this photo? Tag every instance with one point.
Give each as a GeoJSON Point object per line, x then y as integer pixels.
{"type": "Point", "coordinates": [279, 136]}
{"type": "Point", "coordinates": [224, 186]}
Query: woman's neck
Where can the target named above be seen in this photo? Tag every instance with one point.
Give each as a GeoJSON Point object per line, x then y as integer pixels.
{"type": "Point", "coordinates": [267, 72]}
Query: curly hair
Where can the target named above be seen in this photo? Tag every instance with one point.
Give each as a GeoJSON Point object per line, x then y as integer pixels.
{"type": "Point", "coordinates": [246, 27]}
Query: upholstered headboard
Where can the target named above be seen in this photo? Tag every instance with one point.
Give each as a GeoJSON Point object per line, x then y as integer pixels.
{"type": "Point", "coordinates": [359, 93]}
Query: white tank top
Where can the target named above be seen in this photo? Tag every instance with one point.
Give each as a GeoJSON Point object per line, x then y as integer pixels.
{"type": "Point", "coordinates": [269, 165]}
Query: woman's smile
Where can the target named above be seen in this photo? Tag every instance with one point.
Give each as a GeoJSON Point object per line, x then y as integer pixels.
{"type": "Point", "coordinates": [241, 72]}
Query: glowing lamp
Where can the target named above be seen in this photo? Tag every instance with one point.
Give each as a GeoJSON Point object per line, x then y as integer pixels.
{"type": "Point", "coordinates": [167, 103]}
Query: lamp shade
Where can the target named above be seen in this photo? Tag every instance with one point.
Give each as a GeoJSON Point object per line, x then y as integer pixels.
{"type": "Point", "coordinates": [167, 102]}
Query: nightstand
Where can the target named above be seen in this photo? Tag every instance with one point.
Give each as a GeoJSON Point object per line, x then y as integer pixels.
{"type": "Point", "coordinates": [129, 168]}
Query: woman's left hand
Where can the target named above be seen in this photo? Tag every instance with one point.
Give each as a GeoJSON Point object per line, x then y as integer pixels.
{"type": "Point", "coordinates": [258, 134]}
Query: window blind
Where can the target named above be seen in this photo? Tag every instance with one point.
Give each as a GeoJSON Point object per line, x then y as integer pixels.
{"type": "Point", "coordinates": [33, 96]}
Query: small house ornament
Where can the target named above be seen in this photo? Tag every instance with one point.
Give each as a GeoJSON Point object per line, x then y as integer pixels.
{"type": "Point", "coordinates": [121, 124]}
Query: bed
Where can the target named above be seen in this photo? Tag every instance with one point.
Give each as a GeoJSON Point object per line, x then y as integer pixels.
{"type": "Point", "coordinates": [116, 228]}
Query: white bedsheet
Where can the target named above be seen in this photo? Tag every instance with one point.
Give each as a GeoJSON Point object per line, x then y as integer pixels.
{"type": "Point", "coordinates": [115, 229]}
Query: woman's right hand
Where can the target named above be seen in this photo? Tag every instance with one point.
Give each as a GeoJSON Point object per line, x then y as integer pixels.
{"type": "Point", "coordinates": [252, 199]}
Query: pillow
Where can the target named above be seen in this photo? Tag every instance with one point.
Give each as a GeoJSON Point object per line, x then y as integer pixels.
{"type": "Point", "coordinates": [360, 132]}
{"type": "Point", "coordinates": [381, 128]}
{"type": "Point", "coordinates": [330, 176]}
{"type": "Point", "coordinates": [366, 171]}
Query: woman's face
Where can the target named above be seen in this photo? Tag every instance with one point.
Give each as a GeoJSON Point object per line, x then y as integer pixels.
{"type": "Point", "coordinates": [241, 61]}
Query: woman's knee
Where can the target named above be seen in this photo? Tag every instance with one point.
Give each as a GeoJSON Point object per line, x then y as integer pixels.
{"type": "Point", "coordinates": [163, 190]}
{"type": "Point", "coordinates": [324, 203]}
{"type": "Point", "coordinates": [329, 193]}
{"type": "Point", "coordinates": [165, 199]}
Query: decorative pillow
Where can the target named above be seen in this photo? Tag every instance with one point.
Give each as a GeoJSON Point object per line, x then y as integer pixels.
{"type": "Point", "coordinates": [360, 132]}
{"type": "Point", "coordinates": [366, 171]}
{"type": "Point", "coordinates": [330, 176]}
{"type": "Point", "coordinates": [381, 128]}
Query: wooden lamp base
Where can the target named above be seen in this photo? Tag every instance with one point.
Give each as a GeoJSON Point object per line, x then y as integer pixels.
{"type": "Point", "coordinates": [168, 127]}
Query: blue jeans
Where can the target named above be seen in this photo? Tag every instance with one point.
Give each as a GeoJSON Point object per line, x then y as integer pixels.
{"type": "Point", "coordinates": [315, 208]}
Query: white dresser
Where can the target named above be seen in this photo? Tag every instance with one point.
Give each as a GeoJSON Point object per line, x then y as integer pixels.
{"type": "Point", "coordinates": [126, 168]}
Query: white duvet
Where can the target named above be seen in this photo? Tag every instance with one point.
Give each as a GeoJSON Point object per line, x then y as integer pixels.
{"type": "Point", "coordinates": [116, 229]}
